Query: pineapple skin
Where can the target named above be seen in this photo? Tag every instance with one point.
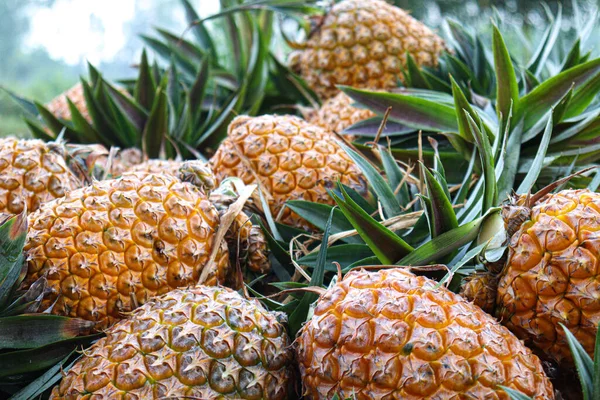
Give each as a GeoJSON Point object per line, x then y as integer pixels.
{"type": "Point", "coordinates": [32, 173]}
{"type": "Point", "coordinates": [108, 247]}
{"type": "Point", "coordinates": [290, 159]}
{"type": "Point", "coordinates": [338, 113]}
{"type": "Point", "coordinates": [59, 105]}
{"type": "Point", "coordinates": [157, 167]}
{"type": "Point", "coordinates": [246, 242]}
{"type": "Point", "coordinates": [203, 342]}
{"type": "Point", "coordinates": [552, 274]}
{"type": "Point", "coordinates": [392, 335]}
{"type": "Point", "coordinates": [363, 44]}
{"type": "Point", "coordinates": [481, 289]}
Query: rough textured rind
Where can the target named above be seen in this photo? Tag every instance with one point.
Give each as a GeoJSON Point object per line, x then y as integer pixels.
{"type": "Point", "coordinates": [290, 158]}
{"type": "Point", "coordinates": [202, 342]}
{"type": "Point", "coordinates": [157, 167]}
{"type": "Point", "coordinates": [392, 335]}
{"type": "Point", "coordinates": [481, 289]}
{"type": "Point", "coordinates": [59, 105]}
{"type": "Point", "coordinates": [363, 44]}
{"type": "Point", "coordinates": [107, 247]}
{"type": "Point", "coordinates": [338, 113]}
{"type": "Point", "coordinates": [552, 274]}
{"type": "Point", "coordinates": [31, 173]}
{"type": "Point", "coordinates": [246, 241]}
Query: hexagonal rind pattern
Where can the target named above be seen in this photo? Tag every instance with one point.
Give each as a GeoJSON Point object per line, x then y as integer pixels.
{"type": "Point", "coordinates": [31, 174]}
{"type": "Point", "coordinates": [552, 274]}
{"type": "Point", "coordinates": [105, 248]}
{"type": "Point", "coordinates": [290, 158]}
{"type": "Point", "coordinates": [201, 342]}
{"type": "Point", "coordinates": [392, 335]}
{"type": "Point", "coordinates": [364, 44]}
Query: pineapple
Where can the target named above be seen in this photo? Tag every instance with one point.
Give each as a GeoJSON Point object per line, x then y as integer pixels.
{"type": "Point", "coordinates": [201, 342]}
{"type": "Point", "coordinates": [59, 106]}
{"type": "Point", "coordinates": [290, 159]}
{"type": "Point", "coordinates": [246, 241]}
{"type": "Point", "coordinates": [481, 288]}
{"type": "Point", "coordinates": [338, 113]}
{"type": "Point", "coordinates": [363, 44]}
{"type": "Point", "coordinates": [31, 173]}
{"type": "Point", "coordinates": [551, 274]}
{"type": "Point", "coordinates": [108, 247]}
{"type": "Point", "coordinates": [389, 334]}
{"type": "Point", "coordinates": [157, 167]}
{"type": "Point", "coordinates": [123, 161]}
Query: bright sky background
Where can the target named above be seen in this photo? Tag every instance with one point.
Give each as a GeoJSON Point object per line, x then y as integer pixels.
{"type": "Point", "coordinates": [93, 30]}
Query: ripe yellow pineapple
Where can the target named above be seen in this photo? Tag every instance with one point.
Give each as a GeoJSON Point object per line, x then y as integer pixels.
{"type": "Point", "coordinates": [201, 343]}
{"type": "Point", "coordinates": [108, 247]}
{"type": "Point", "coordinates": [157, 167]}
{"type": "Point", "coordinates": [481, 289]}
{"type": "Point", "coordinates": [363, 44]}
{"type": "Point", "coordinates": [123, 161]}
{"type": "Point", "coordinates": [60, 107]}
{"type": "Point", "coordinates": [246, 241]}
{"type": "Point", "coordinates": [392, 335]}
{"type": "Point", "coordinates": [338, 113]}
{"type": "Point", "coordinates": [552, 273]}
{"type": "Point", "coordinates": [290, 159]}
{"type": "Point", "coordinates": [31, 173]}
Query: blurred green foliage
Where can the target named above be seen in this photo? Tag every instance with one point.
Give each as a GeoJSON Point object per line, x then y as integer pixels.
{"type": "Point", "coordinates": [34, 74]}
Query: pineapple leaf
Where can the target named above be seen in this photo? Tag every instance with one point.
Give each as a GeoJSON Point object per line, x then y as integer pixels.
{"type": "Point", "coordinates": [198, 89]}
{"type": "Point", "coordinates": [132, 112]}
{"type": "Point", "coordinates": [414, 74]}
{"type": "Point", "coordinates": [199, 30]}
{"type": "Point", "coordinates": [463, 108]}
{"type": "Point", "coordinates": [281, 255]}
{"type": "Point", "coordinates": [560, 109]}
{"type": "Point", "coordinates": [573, 57]}
{"type": "Point", "coordinates": [461, 196]}
{"type": "Point", "coordinates": [53, 123]}
{"type": "Point", "coordinates": [507, 88]}
{"type": "Point", "coordinates": [29, 331]}
{"type": "Point", "coordinates": [370, 128]}
{"type": "Point", "coordinates": [514, 394]}
{"type": "Point", "coordinates": [584, 364]}
{"type": "Point", "coordinates": [487, 165]}
{"type": "Point", "coordinates": [318, 214]}
{"type": "Point", "coordinates": [298, 316]}
{"type": "Point", "coordinates": [583, 97]}
{"type": "Point", "coordinates": [416, 112]}
{"type": "Point", "coordinates": [385, 244]}
{"type": "Point", "coordinates": [595, 183]}
{"type": "Point", "coordinates": [184, 47]}
{"type": "Point", "coordinates": [543, 51]}
{"type": "Point", "coordinates": [540, 100]}
{"type": "Point", "coordinates": [45, 381]}
{"type": "Point", "coordinates": [12, 239]}
{"type": "Point", "coordinates": [395, 176]}
{"type": "Point", "coordinates": [538, 163]}
{"type": "Point", "coordinates": [31, 360]}
{"type": "Point", "coordinates": [344, 254]}
{"type": "Point", "coordinates": [27, 106]}
{"type": "Point", "coordinates": [145, 87]}
{"type": "Point", "coordinates": [443, 218]}
{"type": "Point", "coordinates": [444, 244]}
{"type": "Point", "coordinates": [258, 69]}
{"type": "Point", "coordinates": [385, 194]}
{"type": "Point", "coordinates": [156, 128]}
{"type": "Point", "coordinates": [85, 132]}
{"type": "Point", "coordinates": [37, 131]}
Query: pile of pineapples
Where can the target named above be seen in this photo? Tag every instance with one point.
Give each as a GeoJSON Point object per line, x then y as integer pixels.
{"type": "Point", "coordinates": [393, 215]}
